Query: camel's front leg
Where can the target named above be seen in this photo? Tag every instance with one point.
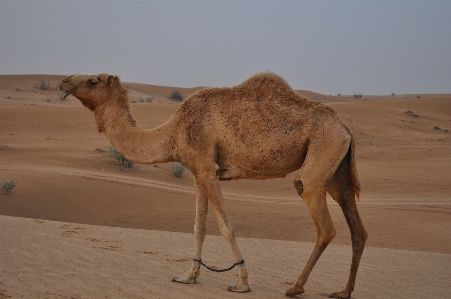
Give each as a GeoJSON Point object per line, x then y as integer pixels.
{"type": "Point", "coordinates": [210, 183]}
{"type": "Point", "coordinates": [200, 229]}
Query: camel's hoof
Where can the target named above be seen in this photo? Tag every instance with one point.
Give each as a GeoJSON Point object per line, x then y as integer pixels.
{"type": "Point", "coordinates": [239, 288]}
{"type": "Point", "coordinates": [294, 291]}
{"type": "Point", "coordinates": [341, 295]}
{"type": "Point", "coordinates": [183, 279]}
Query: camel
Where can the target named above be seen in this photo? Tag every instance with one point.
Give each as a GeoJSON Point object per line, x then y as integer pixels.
{"type": "Point", "coordinates": [260, 129]}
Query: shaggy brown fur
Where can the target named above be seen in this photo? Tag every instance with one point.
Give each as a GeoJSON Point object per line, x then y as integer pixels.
{"type": "Point", "coordinates": [259, 129]}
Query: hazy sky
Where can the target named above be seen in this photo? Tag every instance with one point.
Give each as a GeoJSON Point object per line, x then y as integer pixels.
{"type": "Point", "coordinates": [330, 47]}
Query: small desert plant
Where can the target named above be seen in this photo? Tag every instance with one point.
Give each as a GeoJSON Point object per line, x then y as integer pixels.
{"type": "Point", "coordinates": [392, 94]}
{"type": "Point", "coordinates": [126, 85]}
{"type": "Point", "coordinates": [178, 169]}
{"type": "Point", "coordinates": [121, 159]}
{"type": "Point", "coordinates": [43, 85]}
{"type": "Point", "coordinates": [339, 94]}
{"type": "Point", "coordinates": [8, 186]}
{"type": "Point", "coordinates": [148, 100]}
{"type": "Point", "coordinates": [176, 96]}
{"type": "Point", "coordinates": [358, 95]}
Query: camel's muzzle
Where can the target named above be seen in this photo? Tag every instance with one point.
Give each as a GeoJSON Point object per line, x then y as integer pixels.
{"type": "Point", "coordinates": [66, 93]}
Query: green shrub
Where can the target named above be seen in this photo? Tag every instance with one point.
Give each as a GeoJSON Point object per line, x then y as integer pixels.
{"type": "Point", "coordinates": [8, 186]}
{"type": "Point", "coordinates": [121, 159]}
{"type": "Point", "coordinates": [178, 169]}
{"type": "Point", "coordinates": [358, 95]}
{"type": "Point", "coordinates": [148, 100]}
{"type": "Point", "coordinates": [176, 96]}
{"type": "Point", "coordinates": [43, 85]}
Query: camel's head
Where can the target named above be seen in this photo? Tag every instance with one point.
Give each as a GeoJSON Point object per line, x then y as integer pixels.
{"type": "Point", "coordinates": [91, 90]}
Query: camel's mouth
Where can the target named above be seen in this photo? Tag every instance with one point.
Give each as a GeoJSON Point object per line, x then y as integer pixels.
{"type": "Point", "coordinates": [67, 93]}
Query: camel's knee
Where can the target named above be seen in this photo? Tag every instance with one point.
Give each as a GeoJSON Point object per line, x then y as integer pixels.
{"type": "Point", "coordinates": [200, 228]}
{"type": "Point", "coordinates": [325, 238]}
{"type": "Point", "coordinates": [227, 233]}
{"type": "Point", "coordinates": [360, 237]}
{"type": "Point", "coordinates": [365, 236]}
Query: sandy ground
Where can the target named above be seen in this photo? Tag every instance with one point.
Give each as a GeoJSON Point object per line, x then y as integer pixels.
{"type": "Point", "coordinates": [51, 147]}
{"type": "Point", "coordinates": [50, 259]}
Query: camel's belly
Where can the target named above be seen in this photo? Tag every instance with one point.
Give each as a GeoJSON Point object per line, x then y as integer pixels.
{"type": "Point", "coordinates": [234, 173]}
{"type": "Point", "coordinates": [259, 168]}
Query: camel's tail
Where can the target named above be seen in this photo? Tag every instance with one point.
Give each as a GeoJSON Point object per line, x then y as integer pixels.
{"type": "Point", "coordinates": [353, 167]}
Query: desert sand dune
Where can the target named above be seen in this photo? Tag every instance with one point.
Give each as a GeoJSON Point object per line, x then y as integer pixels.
{"type": "Point", "coordinates": [51, 147]}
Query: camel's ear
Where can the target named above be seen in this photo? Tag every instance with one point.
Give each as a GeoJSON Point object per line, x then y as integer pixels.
{"type": "Point", "coordinates": [110, 79]}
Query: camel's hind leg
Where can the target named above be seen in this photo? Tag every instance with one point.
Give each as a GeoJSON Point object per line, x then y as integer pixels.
{"type": "Point", "coordinates": [316, 203]}
{"type": "Point", "coordinates": [322, 160]}
{"type": "Point", "coordinates": [342, 191]}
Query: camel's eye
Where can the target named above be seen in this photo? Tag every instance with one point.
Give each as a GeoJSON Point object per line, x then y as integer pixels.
{"type": "Point", "coordinates": [92, 81]}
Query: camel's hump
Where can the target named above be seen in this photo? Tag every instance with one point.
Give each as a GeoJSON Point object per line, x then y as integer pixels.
{"type": "Point", "coordinates": [258, 86]}
{"type": "Point", "coordinates": [266, 80]}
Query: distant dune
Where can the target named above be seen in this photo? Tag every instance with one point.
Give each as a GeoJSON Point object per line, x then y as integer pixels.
{"type": "Point", "coordinates": [66, 178]}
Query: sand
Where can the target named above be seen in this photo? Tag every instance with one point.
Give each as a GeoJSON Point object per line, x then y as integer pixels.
{"type": "Point", "coordinates": [78, 225]}
{"type": "Point", "coordinates": [50, 259]}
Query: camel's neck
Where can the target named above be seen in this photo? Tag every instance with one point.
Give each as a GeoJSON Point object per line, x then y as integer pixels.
{"type": "Point", "coordinates": [136, 144]}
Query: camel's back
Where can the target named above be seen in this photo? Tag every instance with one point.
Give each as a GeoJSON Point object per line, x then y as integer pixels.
{"type": "Point", "coordinates": [263, 97]}
{"type": "Point", "coordinates": [259, 122]}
